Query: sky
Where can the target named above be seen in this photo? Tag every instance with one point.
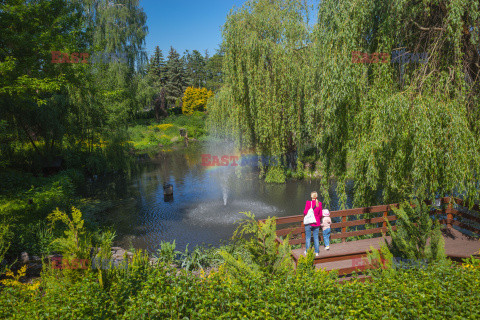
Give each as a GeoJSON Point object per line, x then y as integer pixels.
{"type": "Point", "coordinates": [186, 24]}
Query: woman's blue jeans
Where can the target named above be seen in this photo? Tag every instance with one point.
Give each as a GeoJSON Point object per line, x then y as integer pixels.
{"type": "Point", "coordinates": [326, 237]}
{"type": "Point", "coordinates": [308, 236]}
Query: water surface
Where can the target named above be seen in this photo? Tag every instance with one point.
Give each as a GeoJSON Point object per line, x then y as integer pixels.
{"type": "Point", "coordinates": [207, 201]}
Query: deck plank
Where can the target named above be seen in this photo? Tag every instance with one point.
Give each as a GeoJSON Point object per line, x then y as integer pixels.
{"type": "Point", "coordinates": [341, 255]}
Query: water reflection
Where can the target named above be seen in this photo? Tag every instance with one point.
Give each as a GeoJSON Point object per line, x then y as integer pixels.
{"type": "Point", "coordinates": [207, 201]}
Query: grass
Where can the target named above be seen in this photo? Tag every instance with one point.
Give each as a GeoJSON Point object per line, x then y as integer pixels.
{"type": "Point", "coordinates": [147, 135]}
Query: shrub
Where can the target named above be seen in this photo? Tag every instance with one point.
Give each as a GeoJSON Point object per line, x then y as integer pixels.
{"type": "Point", "coordinates": [167, 252]}
{"type": "Point", "coordinates": [267, 256]}
{"type": "Point", "coordinates": [195, 99]}
{"type": "Point", "coordinates": [76, 242]}
{"type": "Point", "coordinates": [415, 228]}
{"type": "Point", "coordinates": [275, 175]}
{"type": "Point", "coordinates": [438, 291]}
{"type": "Point", "coordinates": [5, 236]}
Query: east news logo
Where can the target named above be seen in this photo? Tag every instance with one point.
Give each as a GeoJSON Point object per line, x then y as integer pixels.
{"type": "Point", "coordinates": [84, 57]}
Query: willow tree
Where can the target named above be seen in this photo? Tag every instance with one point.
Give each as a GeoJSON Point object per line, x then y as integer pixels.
{"type": "Point", "coordinates": [410, 130]}
{"type": "Point", "coordinates": [117, 28]}
{"type": "Point", "coordinates": [262, 100]}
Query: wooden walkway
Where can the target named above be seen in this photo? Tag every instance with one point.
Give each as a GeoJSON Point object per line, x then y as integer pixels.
{"type": "Point", "coordinates": [462, 225]}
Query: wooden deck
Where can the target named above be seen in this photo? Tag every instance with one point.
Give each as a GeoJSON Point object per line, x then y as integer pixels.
{"type": "Point", "coordinates": [346, 256]}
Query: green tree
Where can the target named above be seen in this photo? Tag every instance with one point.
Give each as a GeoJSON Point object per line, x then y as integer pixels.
{"type": "Point", "coordinates": [176, 80]}
{"type": "Point", "coordinates": [264, 71]}
{"type": "Point", "coordinates": [76, 243]}
{"type": "Point", "coordinates": [157, 67]}
{"type": "Point", "coordinates": [408, 130]}
{"type": "Point", "coordinates": [33, 91]}
{"type": "Point", "coordinates": [213, 72]}
{"type": "Point", "coordinates": [156, 80]}
{"type": "Point", "coordinates": [195, 68]}
{"type": "Point", "coordinates": [117, 27]}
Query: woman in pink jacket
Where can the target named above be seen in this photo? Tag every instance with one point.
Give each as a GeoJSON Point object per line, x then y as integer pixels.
{"type": "Point", "coordinates": [313, 227]}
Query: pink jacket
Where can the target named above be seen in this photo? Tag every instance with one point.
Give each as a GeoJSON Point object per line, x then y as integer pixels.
{"type": "Point", "coordinates": [317, 211]}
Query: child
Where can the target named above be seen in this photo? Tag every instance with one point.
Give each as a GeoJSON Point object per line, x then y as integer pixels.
{"type": "Point", "coordinates": [326, 222]}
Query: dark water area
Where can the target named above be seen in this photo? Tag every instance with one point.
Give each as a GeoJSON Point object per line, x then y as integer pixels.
{"type": "Point", "coordinates": [207, 201]}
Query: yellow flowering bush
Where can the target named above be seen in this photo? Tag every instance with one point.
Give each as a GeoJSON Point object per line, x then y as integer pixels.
{"type": "Point", "coordinates": [472, 263]}
{"type": "Point", "coordinates": [164, 126]}
{"type": "Point", "coordinates": [14, 280]}
{"type": "Point", "coordinates": [195, 99]}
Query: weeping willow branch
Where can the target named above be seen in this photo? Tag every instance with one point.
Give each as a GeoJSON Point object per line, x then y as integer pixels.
{"type": "Point", "coordinates": [427, 29]}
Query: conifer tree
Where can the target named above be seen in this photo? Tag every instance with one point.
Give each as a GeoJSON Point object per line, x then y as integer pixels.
{"type": "Point", "coordinates": [189, 72]}
{"type": "Point", "coordinates": [157, 67]}
{"type": "Point", "coordinates": [195, 69]}
{"type": "Point", "coordinates": [176, 80]}
{"type": "Point", "coordinates": [156, 79]}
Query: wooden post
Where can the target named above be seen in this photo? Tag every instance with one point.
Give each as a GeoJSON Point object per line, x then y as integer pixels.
{"type": "Point", "coordinates": [344, 229]}
{"type": "Point", "coordinates": [449, 216]}
{"type": "Point", "coordinates": [303, 236]}
{"type": "Point", "coordinates": [385, 215]}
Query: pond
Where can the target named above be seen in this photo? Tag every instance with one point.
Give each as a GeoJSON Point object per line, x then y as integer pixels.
{"type": "Point", "coordinates": [207, 201]}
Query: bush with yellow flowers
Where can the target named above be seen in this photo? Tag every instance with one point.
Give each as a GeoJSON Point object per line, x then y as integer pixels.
{"type": "Point", "coordinates": [195, 99]}
{"type": "Point", "coordinates": [13, 280]}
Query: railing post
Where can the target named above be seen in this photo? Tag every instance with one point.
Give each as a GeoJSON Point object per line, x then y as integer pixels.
{"type": "Point", "coordinates": [385, 215]}
{"type": "Point", "coordinates": [449, 215]}
{"type": "Point", "coordinates": [303, 235]}
{"type": "Point", "coordinates": [344, 229]}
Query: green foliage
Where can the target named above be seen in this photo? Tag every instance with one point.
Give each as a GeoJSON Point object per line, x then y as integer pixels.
{"type": "Point", "coordinates": [213, 71]}
{"type": "Point", "coordinates": [305, 263]}
{"type": "Point", "coordinates": [471, 263]}
{"type": "Point", "coordinates": [148, 136]}
{"type": "Point", "coordinates": [176, 79]}
{"type": "Point", "coordinates": [5, 236]}
{"type": "Point", "coordinates": [195, 68]}
{"type": "Point", "coordinates": [151, 88]}
{"type": "Point", "coordinates": [64, 109]}
{"type": "Point", "coordinates": [76, 243]}
{"type": "Point", "coordinates": [264, 72]}
{"type": "Point", "coordinates": [414, 229]}
{"type": "Point", "coordinates": [162, 293]}
{"type": "Point", "coordinates": [123, 283]}
{"type": "Point", "coordinates": [167, 252]}
{"type": "Point", "coordinates": [411, 130]}
{"type": "Point", "coordinates": [267, 256]}
{"type": "Point", "coordinates": [275, 175]}
{"type": "Point", "coordinates": [380, 261]}
{"type": "Point", "coordinates": [26, 201]}
{"type": "Point", "coordinates": [45, 238]}
{"type": "Point", "coordinates": [199, 258]}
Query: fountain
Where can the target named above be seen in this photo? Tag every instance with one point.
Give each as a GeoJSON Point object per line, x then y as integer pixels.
{"type": "Point", "coordinates": [225, 195]}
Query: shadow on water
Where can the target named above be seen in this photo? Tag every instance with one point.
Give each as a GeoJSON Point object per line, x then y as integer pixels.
{"type": "Point", "coordinates": [206, 202]}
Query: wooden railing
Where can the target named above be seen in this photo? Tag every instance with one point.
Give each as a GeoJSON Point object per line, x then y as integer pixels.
{"type": "Point", "coordinates": [294, 226]}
